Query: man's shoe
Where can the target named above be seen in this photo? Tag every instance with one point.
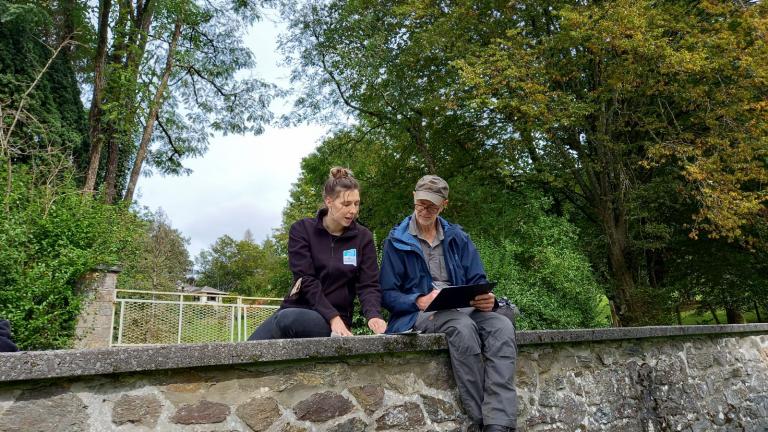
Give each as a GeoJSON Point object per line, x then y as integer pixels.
{"type": "Point", "coordinates": [497, 428]}
{"type": "Point", "coordinates": [474, 427]}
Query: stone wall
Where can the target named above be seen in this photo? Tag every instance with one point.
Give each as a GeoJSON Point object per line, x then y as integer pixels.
{"type": "Point", "coordinates": [711, 379]}
{"type": "Point", "coordinates": [94, 325]}
{"type": "Point", "coordinates": [697, 384]}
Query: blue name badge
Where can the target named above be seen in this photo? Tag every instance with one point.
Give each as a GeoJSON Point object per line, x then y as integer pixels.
{"type": "Point", "coordinates": [350, 257]}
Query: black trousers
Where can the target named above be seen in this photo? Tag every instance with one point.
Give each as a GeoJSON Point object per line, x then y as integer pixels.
{"type": "Point", "coordinates": [292, 323]}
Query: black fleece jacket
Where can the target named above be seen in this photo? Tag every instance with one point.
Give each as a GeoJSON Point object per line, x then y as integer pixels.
{"type": "Point", "coordinates": [6, 344]}
{"type": "Point", "coordinates": [333, 269]}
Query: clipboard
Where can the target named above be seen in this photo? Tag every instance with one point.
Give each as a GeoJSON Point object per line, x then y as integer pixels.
{"type": "Point", "coordinates": [458, 296]}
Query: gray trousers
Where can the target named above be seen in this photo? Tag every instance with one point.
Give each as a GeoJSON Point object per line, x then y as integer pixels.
{"type": "Point", "coordinates": [483, 356]}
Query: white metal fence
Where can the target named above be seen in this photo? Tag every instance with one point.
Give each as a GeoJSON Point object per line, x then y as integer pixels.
{"type": "Point", "coordinates": [153, 317]}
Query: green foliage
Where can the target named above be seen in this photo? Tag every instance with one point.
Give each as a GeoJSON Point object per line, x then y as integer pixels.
{"type": "Point", "coordinates": [207, 92]}
{"type": "Point", "coordinates": [52, 114]}
{"type": "Point", "coordinates": [162, 262]}
{"type": "Point", "coordinates": [717, 274]}
{"type": "Point", "coordinates": [541, 270]}
{"type": "Point", "coordinates": [643, 122]}
{"type": "Point", "coordinates": [244, 267]}
{"type": "Point", "coordinates": [632, 105]}
{"type": "Point", "coordinates": [51, 235]}
{"type": "Point", "coordinates": [48, 243]}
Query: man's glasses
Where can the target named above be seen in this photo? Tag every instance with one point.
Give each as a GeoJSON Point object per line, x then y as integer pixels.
{"type": "Point", "coordinates": [427, 208]}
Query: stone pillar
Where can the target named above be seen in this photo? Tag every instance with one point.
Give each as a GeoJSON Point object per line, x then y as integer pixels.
{"type": "Point", "coordinates": [94, 325]}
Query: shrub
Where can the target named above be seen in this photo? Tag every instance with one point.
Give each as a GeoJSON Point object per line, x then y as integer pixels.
{"type": "Point", "coordinates": [541, 270]}
{"type": "Point", "coordinates": [48, 240]}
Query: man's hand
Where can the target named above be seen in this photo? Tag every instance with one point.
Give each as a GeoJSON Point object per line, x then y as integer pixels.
{"type": "Point", "coordinates": [424, 301]}
{"type": "Point", "coordinates": [484, 302]}
{"type": "Point", "coordinates": [377, 325]}
{"type": "Point", "coordinates": [338, 327]}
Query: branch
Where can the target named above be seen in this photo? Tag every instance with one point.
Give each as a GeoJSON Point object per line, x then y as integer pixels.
{"type": "Point", "coordinates": [2, 132]}
{"type": "Point", "coordinates": [205, 36]}
{"type": "Point", "coordinates": [347, 102]}
{"type": "Point", "coordinates": [212, 83]}
{"type": "Point", "coordinates": [586, 210]}
{"type": "Point", "coordinates": [397, 110]}
{"type": "Point", "coordinates": [67, 41]}
{"type": "Point", "coordinates": [169, 139]}
{"type": "Point", "coordinates": [365, 134]}
{"type": "Point", "coordinates": [194, 89]}
{"type": "Point", "coordinates": [214, 7]}
{"type": "Point", "coordinates": [178, 80]}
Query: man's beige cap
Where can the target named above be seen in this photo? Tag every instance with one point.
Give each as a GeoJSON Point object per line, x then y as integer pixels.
{"type": "Point", "coordinates": [432, 188]}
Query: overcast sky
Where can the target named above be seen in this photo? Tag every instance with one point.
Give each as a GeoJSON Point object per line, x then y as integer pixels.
{"type": "Point", "coordinates": [242, 182]}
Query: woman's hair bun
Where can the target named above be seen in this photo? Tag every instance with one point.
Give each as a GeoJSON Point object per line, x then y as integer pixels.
{"type": "Point", "coordinates": [338, 172]}
{"type": "Point", "coordinates": [339, 179]}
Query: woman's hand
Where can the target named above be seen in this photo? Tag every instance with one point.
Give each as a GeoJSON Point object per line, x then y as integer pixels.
{"type": "Point", "coordinates": [484, 302]}
{"type": "Point", "coordinates": [378, 325]}
{"type": "Point", "coordinates": [338, 327]}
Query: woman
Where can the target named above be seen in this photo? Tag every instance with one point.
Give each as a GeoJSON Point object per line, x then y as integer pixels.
{"type": "Point", "coordinates": [332, 258]}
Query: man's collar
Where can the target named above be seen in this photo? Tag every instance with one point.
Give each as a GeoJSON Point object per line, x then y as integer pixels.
{"type": "Point", "coordinates": [413, 229]}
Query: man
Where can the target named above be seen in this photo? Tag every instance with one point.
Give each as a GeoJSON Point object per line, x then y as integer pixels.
{"type": "Point", "coordinates": [424, 253]}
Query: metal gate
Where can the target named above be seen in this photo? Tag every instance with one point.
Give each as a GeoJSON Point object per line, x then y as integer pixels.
{"type": "Point", "coordinates": [156, 317]}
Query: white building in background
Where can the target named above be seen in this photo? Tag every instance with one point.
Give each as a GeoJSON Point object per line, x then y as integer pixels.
{"type": "Point", "coordinates": [205, 294]}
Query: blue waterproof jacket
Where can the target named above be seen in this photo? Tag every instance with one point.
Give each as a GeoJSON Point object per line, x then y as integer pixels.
{"type": "Point", "coordinates": [405, 275]}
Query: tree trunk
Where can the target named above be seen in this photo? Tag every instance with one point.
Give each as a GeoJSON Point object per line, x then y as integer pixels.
{"type": "Point", "coordinates": [139, 34]}
{"type": "Point", "coordinates": [623, 282]}
{"type": "Point", "coordinates": [734, 315]}
{"type": "Point", "coordinates": [603, 184]}
{"type": "Point", "coordinates": [757, 311]}
{"type": "Point", "coordinates": [110, 178]}
{"type": "Point", "coordinates": [615, 321]}
{"type": "Point", "coordinates": [654, 261]}
{"type": "Point", "coordinates": [152, 116]}
{"type": "Point", "coordinates": [129, 47]}
{"type": "Point", "coordinates": [95, 113]}
{"type": "Point", "coordinates": [416, 131]}
{"type": "Point", "coordinates": [67, 27]}
{"type": "Point", "coordinates": [615, 229]}
{"type": "Point", "coordinates": [714, 314]}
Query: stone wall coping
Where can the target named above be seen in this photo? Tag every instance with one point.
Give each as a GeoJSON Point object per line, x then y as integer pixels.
{"type": "Point", "coordinates": [32, 365]}
{"type": "Point", "coordinates": [108, 269]}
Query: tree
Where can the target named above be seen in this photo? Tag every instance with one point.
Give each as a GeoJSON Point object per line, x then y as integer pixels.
{"type": "Point", "coordinates": [610, 108]}
{"type": "Point", "coordinates": [162, 262]}
{"type": "Point", "coordinates": [388, 65]}
{"type": "Point", "coordinates": [244, 267]}
{"type": "Point", "coordinates": [175, 64]}
{"type": "Point", "coordinates": [50, 235]}
{"type": "Point", "coordinates": [40, 110]}
{"type": "Point", "coordinates": [610, 95]}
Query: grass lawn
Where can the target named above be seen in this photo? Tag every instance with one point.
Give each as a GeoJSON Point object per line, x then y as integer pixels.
{"type": "Point", "coordinates": [692, 317]}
